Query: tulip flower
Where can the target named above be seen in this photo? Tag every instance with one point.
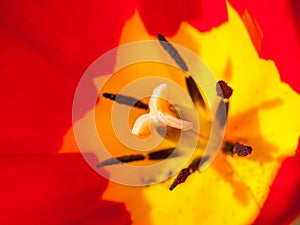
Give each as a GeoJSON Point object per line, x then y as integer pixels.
{"type": "Point", "coordinates": [46, 47]}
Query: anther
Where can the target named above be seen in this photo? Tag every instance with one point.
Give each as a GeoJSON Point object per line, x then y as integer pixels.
{"type": "Point", "coordinates": [194, 91]}
{"type": "Point", "coordinates": [236, 148]}
{"type": "Point", "coordinates": [242, 150]}
{"type": "Point", "coordinates": [191, 84]}
{"type": "Point", "coordinates": [126, 100]}
{"type": "Point", "coordinates": [223, 90]}
{"type": "Point", "coordinates": [161, 154]}
{"type": "Point", "coordinates": [182, 176]}
{"type": "Point", "coordinates": [172, 52]}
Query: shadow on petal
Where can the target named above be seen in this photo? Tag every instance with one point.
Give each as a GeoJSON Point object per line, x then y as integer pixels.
{"type": "Point", "coordinates": [245, 127]}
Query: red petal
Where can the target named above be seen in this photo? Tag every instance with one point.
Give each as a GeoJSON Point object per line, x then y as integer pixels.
{"type": "Point", "coordinates": [45, 48]}
{"type": "Point", "coordinates": [166, 16]}
{"type": "Point", "coordinates": [280, 41]}
{"type": "Point", "coordinates": [282, 204]}
{"type": "Point", "coordinates": [54, 189]}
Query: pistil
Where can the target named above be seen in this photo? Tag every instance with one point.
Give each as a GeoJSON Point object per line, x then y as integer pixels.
{"type": "Point", "coordinates": [157, 115]}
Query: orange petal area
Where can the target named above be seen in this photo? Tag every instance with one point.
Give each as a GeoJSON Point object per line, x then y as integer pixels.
{"type": "Point", "coordinates": [263, 113]}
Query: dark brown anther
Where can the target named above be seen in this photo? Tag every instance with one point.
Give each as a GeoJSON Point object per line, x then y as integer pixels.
{"type": "Point", "coordinates": [121, 159]}
{"type": "Point", "coordinates": [223, 90]}
{"type": "Point", "coordinates": [242, 150]}
{"type": "Point", "coordinates": [194, 92]}
{"type": "Point", "coordinates": [161, 154]}
{"type": "Point", "coordinates": [172, 52]}
{"type": "Point", "coordinates": [181, 177]}
{"type": "Point", "coordinates": [126, 100]}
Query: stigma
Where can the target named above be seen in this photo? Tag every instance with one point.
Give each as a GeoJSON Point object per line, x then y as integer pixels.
{"type": "Point", "coordinates": [158, 114]}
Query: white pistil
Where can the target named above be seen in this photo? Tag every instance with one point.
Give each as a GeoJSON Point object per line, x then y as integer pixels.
{"type": "Point", "coordinates": [157, 115]}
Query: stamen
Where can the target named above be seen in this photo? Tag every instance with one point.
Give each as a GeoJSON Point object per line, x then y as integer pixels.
{"type": "Point", "coordinates": [194, 91]}
{"type": "Point", "coordinates": [185, 173]}
{"type": "Point", "coordinates": [228, 148]}
{"type": "Point", "coordinates": [173, 52]}
{"type": "Point", "coordinates": [156, 155]}
{"type": "Point", "coordinates": [182, 176]}
{"type": "Point", "coordinates": [194, 166]}
{"type": "Point", "coordinates": [190, 82]}
{"type": "Point", "coordinates": [223, 90]}
{"type": "Point", "coordinates": [161, 154]}
{"type": "Point", "coordinates": [121, 159]}
{"type": "Point", "coordinates": [220, 116]}
{"type": "Point", "coordinates": [126, 100]}
{"type": "Point", "coordinates": [242, 150]}
{"type": "Point", "coordinates": [236, 148]}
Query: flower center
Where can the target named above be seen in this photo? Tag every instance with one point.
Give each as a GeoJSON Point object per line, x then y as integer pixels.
{"type": "Point", "coordinates": [158, 115]}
